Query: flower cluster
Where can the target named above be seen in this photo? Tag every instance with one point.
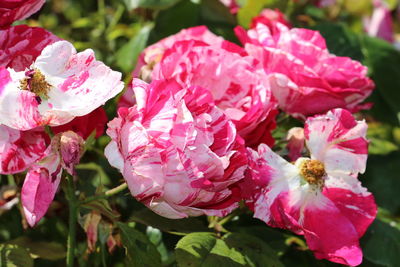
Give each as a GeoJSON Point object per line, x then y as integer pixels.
{"type": "Point", "coordinates": [194, 130]}
{"type": "Point", "coordinates": [179, 143]}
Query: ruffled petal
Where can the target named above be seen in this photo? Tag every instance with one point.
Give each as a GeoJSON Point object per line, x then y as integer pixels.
{"type": "Point", "coordinates": [338, 140]}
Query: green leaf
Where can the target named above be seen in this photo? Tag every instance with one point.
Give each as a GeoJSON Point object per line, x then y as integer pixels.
{"type": "Point", "coordinates": [381, 147]}
{"type": "Point", "coordinates": [381, 139]}
{"type": "Point", "coordinates": [272, 236]}
{"type": "Point", "coordinates": [101, 177]}
{"type": "Point", "coordinates": [384, 61]}
{"type": "Point", "coordinates": [207, 249]}
{"type": "Point", "coordinates": [381, 244]}
{"type": "Point", "coordinates": [41, 249]}
{"type": "Point", "coordinates": [102, 206]}
{"type": "Point", "coordinates": [340, 40]}
{"type": "Point", "coordinates": [255, 251]}
{"type": "Point", "coordinates": [128, 54]}
{"type": "Point", "coordinates": [140, 251]}
{"type": "Point", "coordinates": [149, 218]}
{"type": "Point", "coordinates": [156, 237]}
{"type": "Point", "coordinates": [14, 256]}
{"type": "Point", "coordinates": [185, 14]}
{"type": "Point", "coordinates": [151, 4]}
{"type": "Point", "coordinates": [382, 179]}
{"type": "Point", "coordinates": [216, 12]}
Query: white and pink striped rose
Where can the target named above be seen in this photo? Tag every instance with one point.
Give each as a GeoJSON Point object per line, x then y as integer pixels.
{"type": "Point", "coordinates": [59, 85]}
{"type": "Point", "coordinates": [237, 85]}
{"type": "Point", "coordinates": [154, 53]}
{"type": "Point", "coordinates": [319, 197]}
{"type": "Point", "coordinates": [304, 77]}
{"type": "Point", "coordinates": [179, 154]}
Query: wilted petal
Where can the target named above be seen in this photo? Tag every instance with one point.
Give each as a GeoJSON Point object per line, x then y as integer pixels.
{"type": "Point", "coordinates": [39, 188]}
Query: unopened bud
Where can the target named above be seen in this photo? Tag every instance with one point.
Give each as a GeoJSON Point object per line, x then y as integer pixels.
{"type": "Point", "coordinates": [70, 146]}
{"type": "Point", "coordinates": [295, 144]}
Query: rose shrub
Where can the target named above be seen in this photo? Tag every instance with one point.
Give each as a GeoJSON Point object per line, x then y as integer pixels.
{"type": "Point", "coordinates": [242, 135]}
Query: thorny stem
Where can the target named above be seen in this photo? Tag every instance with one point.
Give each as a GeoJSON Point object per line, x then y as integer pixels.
{"type": "Point", "coordinates": [73, 212]}
{"type": "Point", "coordinates": [106, 194]}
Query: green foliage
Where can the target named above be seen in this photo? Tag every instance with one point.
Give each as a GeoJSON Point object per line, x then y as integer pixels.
{"type": "Point", "coordinates": [340, 40]}
{"type": "Point", "coordinates": [381, 139]}
{"type": "Point", "coordinates": [253, 7]}
{"type": "Point", "coordinates": [149, 218]}
{"type": "Point", "coordinates": [382, 244]}
{"type": "Point", "coordinates": [40, 249]}
{"type": "Point", "coordinates": [128, 54]}
{"type": "Point", "coordinates": [382, 179]}
{"type": "Point", "coordinates": [207, 249]}
{"type": "Point", "coordinates": [139, 250]}
{"type": "Point", "coordinates": [152, 4]}
{"type": "Point", "coordinates": [383, 60]}
{"type": "Point", "coordinates": [14, 256]}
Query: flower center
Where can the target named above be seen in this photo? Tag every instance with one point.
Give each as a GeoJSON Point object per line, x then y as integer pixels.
{"type": "Point", "coordinates": [313, 172]}
{"type": "Point", "coordinates": [36, 83]}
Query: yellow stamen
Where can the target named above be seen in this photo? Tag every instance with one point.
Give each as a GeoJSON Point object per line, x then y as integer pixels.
{"type": "Point", "coordinates": [313, 172]}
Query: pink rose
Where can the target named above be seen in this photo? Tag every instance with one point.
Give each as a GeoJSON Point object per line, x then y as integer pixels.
{"type": "Point", "coordinates": [238, 87]}
{"type": "Point", "coordinates": [304, 77]}
{"type": "Point", "coordinates": [319, 197]}
{"type": "Point", "coordinates": [177, 151]}
{"type": "Point", "coordinates": [380, 24]}
{"type": "Point", "coordinates": [59, 85]}
{"type": "Point", "coordinates": [154, 53]}
{"type": "Point", "coordinates": [20, 149]}
{"type": "Point", "coordinates": [12, 10]}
